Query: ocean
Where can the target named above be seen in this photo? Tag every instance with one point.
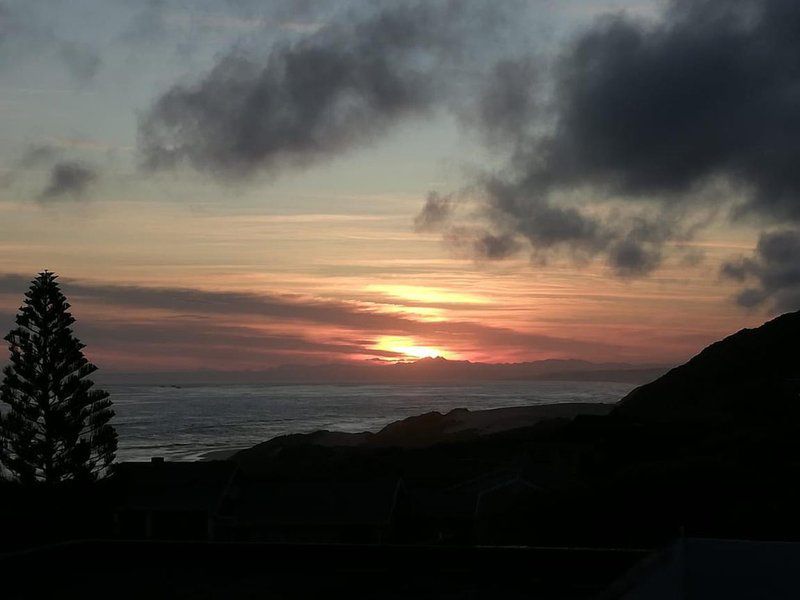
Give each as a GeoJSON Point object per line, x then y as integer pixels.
{"type": "Point", "coordinates": [184, 423]}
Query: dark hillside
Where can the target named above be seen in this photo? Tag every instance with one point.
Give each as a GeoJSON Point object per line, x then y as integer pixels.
{"type": "Point", "coordinates": [752, 374]}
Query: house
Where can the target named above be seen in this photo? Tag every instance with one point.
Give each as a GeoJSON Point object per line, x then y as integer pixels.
{"type": "Point", "coordinates": [496, 492]}
{"type": "Point", "coordinates": [473, 510]}
{"type": "Point", "coordinates": [174, 500]}
{"type": "Point", "coordinates": [451, 514]}
{"type": "Point", "coordinates": [318, 511]}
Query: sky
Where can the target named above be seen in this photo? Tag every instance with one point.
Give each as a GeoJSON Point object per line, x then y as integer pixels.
{"type": "Point", "coordinates": [239, 184]}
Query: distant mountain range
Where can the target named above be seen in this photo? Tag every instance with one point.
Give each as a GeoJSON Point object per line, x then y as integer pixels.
{"type": "Point", "coordinates": [426, 370]}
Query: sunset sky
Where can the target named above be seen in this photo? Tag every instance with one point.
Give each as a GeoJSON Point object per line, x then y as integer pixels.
{"type": "Point", "coordinates": [241, 184]}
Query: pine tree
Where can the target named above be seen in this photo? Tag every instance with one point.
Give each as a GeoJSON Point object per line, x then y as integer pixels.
{"type": "Point", "coordinates": [55, 427]}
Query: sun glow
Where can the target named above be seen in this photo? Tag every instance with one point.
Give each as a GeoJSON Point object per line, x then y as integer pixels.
{"type": "Point", "coordinates": [409, 349]}
{"type": "Point", "coordinates": [426, 295]}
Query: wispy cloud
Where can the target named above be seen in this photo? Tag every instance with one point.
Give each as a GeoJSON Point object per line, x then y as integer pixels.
{"type": "Point", "coordinates": [240, 330]}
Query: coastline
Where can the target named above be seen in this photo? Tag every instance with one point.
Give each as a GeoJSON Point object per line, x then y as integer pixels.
{"type": "Point", "coordinates": [434, 427]}
{"type": "Point", "coordinates": [226, 454]}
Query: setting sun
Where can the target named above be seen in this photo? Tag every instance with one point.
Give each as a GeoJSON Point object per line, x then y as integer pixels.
{"type": "Point", "coordinates": [406, 346]}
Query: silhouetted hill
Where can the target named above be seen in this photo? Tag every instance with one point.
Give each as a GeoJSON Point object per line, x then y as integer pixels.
{"type": "Point", "coordinates": [428, 429]}
{"type": "Point", "coordinates": [751, 374]}
{"type": "Point", "coordinates": [426, 370]}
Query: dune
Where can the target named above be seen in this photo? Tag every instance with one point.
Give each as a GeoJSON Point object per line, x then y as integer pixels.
{"type": "Point", "coordinates": [432, 428]}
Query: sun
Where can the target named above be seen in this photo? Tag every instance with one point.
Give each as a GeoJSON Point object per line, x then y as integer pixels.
{"type": "Point", "coordinates": [407, 347]}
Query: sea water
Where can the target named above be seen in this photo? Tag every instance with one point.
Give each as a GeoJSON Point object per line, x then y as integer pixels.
{"type": "Point", "coordinates": [184, 423]}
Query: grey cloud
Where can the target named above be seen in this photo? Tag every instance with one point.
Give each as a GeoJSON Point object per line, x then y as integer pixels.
{"type": "Point", "coordinates": [772, 272]}
{"type": "Point", "coordinates": [38, 155]}
{"type": "Point", "coordinates": [481, 243]}
{"type": "Point", "coordinates": [437, 210]}
{"type": "Point", "coordinates": [494, 246]}
{"type": "Point", "coordinates": [652, 113]}
{"type": "Point", "coordinates": [631, 242]}
{"type": "Point", "coordinates": [631, 258]}
{"type": "Point", "coordinates": [147, 24]}
{"type": "Point", "coordinates": [313, 98]}
{"type": "Point", "coordinates": [29, 30]}
{"type": "Point", "coordinates": [156, 21]}
{"type": "Point", "coordinates": [35, 156]}
{"type": "Point", "coordinates": [508, 102]}
{"type": "Point", "coordinates": [659, 110]}
{"type": "Point", "coordinates": [81, 60]}
{"type": "Point", "coordinates": [69, 179]}
{"type": "Point", "coordinates": [638, 246]}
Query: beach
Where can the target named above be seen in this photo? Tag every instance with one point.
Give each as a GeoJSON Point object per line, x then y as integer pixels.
{"type": "Point", "coordinates": [198, 422]}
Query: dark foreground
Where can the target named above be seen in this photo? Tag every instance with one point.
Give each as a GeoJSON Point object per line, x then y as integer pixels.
{"type": "Point", "coordinates": [558, 510]}
{"type": "Point", "coordinates": [105, 569]}
{"type": "Point", "coordinates": [563, 507]}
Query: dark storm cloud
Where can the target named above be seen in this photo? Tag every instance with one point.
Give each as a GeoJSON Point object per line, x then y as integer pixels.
{"type": "Point", "coordinates": [652, 114]}
{"type": "Point", "coordinates": [772, 274]}
{"type": "Point", "coordinates": [69, 179]}
{"type": "Point", "coordinates": [341, 86]}
{"type": "Point", "coordinates": [659, 110]}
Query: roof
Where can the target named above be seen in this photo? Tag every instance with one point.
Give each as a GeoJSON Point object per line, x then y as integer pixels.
{"type": "Point", "coordinates": [314, 503]}
{"type": "Point", "coordinates": [490, 481]}
{"type": "Point", "coordinates": [462, 500]}
{"type": "Point", "coordinates": [441, 504]}
{"type": "Point", "coordinates": [183, 486]}
{"type": "Point", "coordinates": [709, 568]}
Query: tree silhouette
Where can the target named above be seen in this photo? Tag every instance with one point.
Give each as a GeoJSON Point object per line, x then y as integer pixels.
{"type": "Point", "coordinates": [56, 427]}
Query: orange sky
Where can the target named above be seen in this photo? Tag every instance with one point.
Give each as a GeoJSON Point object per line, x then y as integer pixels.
{"type": "Point", "coordinates": [381, 290]}
{"type": "Point", "coordinates": [183, 246]}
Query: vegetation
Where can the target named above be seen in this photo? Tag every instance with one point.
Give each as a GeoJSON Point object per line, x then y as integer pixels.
{"type": "Point", "coordinates": [55, 427]}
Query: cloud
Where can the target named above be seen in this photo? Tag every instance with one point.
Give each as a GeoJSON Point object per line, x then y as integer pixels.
{"type": "Point", "coordinates": [481, 243]}
{"type": "Point", "coordinates": [38, 155]}
{"type": "Point", "coordinates": [35, 156]}
{"type": "Point", "coordinates": [30, 30]}
{"type": "Point", "coordinates": [436, 211]}
{"type": "Point", "coordinates": [773, 272]}
{"type": "Point", "coordinates": [160, 20]}
{"type": "Point", "coordinates": [507, 102]}
{"type": "Point", "coordinates": [312, 98]}
{"type": "Point", "coordinates": [82, 61]}
{"type": "Point", "coordinates": [509, 214]}
{"type": "Point", "coordinates": [660, 110]}
{"type": "Point", "coordinates": [69, 179]}
{"type": "Point", "coordinates": [653, 114]}
{"type": "Point", "coordinates": [192, 322]}
{"type": "Point", "coordinates": [66, 178]}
